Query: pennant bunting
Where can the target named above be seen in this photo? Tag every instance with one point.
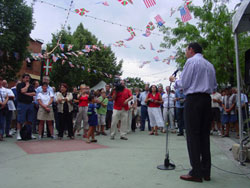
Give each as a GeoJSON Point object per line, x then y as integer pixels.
{"type": "Point", "coordinates": [160, 51]}
{"type": "Point", "coordinates": [151, 46]}
{"type": "Point", "coordinates": [62, 47]}
{"type": "Point", "coordinates": [70, 46]}
{"type": "Point", "coordinates": [156, 58]}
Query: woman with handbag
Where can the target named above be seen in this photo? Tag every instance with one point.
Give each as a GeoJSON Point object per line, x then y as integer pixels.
{"type": "Point", "coordinates": [65, 108]}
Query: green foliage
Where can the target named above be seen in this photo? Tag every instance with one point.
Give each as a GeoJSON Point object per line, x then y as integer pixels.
{"type": "Point", "coordinates": [213, 30]}
{"type": "Point", "coordinates": [103, 61]}
{"type": "Point", "coordinates": [132, 83]}
{"type": "Point", "coordinates": [15, 27]}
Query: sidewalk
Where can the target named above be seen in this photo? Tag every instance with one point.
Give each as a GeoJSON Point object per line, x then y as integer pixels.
{"type": "Point", "coordinates": [122, 164]}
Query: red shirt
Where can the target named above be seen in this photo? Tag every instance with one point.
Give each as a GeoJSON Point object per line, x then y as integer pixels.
{"type": "Point", "coordinates": [120, 99]}
{"type": "Point", "coordinates": [156, 97]}
{"type": "Point", "coordinates": [83, 101]}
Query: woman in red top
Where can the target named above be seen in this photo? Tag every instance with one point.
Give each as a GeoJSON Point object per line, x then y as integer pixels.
{"type": "Point", "coordinates": [154, 102]}
{"type": "Point", "coordinates": [83, 111]}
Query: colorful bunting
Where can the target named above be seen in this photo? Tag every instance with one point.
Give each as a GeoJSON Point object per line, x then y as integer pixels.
{"type": "Point", "coordinates": [156, 58]}
{"type": "Point", "coordinates": [62, 47]}
{"type": "Point", "coordinates": [105, 3]}
{"type": "Point", "coordinates": [151, 46]}
{"type": "Point", "coordinates": [160, 51]}
{"type": "Point", "coordinates": [172, 11]}
{"type": "Point", "coordinates": [70, 46]}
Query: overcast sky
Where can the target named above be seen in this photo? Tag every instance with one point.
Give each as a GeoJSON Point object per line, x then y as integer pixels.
{"type": "Point", "coordinates": [49, 19]}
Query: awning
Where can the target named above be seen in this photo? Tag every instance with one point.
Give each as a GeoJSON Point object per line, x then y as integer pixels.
{"type": "Point", "coordinates": [241, 19]}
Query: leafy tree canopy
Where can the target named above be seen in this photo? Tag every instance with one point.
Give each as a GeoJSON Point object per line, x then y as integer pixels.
{"type": "Point", "coordinates": [15, 27]}
{"type": "Point", "coordinates": [103, 61]}
{"type": "Point", "coordinates": [136, 82]}
{"type": "Point", "coordinates": [213, 30]}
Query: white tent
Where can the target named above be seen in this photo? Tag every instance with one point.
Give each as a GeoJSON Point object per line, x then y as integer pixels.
{"type": "Point", "coordinates": [100, 85]}
{"type": "Point", "coordinates": [241, 23]}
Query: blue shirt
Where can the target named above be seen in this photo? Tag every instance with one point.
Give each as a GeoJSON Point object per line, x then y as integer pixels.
{"type": "Point", "coordinates": [143, 97]}
{"type": "Point", "coordinates": [179, 94]}
{"type": "Point", "coordinates": [198, 76]}
{"type": "Point", "coordinates": [110, 105]}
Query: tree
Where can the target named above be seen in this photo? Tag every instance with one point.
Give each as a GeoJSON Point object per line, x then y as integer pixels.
{"type": "Point", "coordinates": [103, 61]}
{"type": "Point", "coordinates": [213, 30]}
{"type": "Point", "coordinates": [15, 27]}
{"type": "Point", "coordinates": [132, 83]}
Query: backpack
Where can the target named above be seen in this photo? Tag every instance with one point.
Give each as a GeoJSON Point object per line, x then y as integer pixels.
{"type": "Point", "coordinates": [25, 132]}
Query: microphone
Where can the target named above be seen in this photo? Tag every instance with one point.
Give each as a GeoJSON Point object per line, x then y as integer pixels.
{"type": "Point", "coordinates": [175, 72]}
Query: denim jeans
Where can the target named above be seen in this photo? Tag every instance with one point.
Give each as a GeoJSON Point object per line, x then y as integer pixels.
{"type": "Point", "coordinates": [2, 121]}
{"type": "Point", "coordinates": [8, 122]}
{"type": "Point", "coordinates": [144, 117]}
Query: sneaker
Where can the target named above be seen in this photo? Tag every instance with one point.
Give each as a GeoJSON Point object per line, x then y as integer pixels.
{"type": "Point", "coordinates": [39, 137]}
{"type": "Point", "coordinates": [219, 133]}
{"type": "Point", "coordinates": [18, 137]}
{"type": "Point", "coordinates": [123, 138]}
{"type": "Point", "coordinates": [33, 137]}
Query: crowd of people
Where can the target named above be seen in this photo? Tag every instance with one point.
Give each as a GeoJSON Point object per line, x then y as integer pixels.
{"type": "Point", "coordinates": [116, 109]}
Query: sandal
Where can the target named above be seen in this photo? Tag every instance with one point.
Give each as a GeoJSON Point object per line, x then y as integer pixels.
{"type": "Point", "coordinates": [151, 133]}
{"type": "Point", "coordinates": [88, 141]}
{"type": "Point", "coordinates": [94, 140]}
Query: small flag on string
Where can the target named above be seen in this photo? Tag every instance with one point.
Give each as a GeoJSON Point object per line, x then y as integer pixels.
{"type": "Point", "coordinates": [89, 69]}
{"type": "Point", "coordinates": [149, 3]}
{"type": "Point", "coordinates": [105, 3]}
{"type": "Point", "coordinates": [62, 54]}
{"type": "Point", "coordinates": [62, 47]}
{"type": "Point", "coordinates": [160, 51]}
{"type": "Point", "coordinates": [142, 47]}
{"type": "Point", "coordinates": [70, 46]}
{"type": "Point", "coordinates": [54, 58]}
{"type": "Point", "coordinates": [185, 14]}
{"type": "Point", "coordinates": [74, 54]}
{"type": "Point", "coordinates": [83, 68]}
{"type": "Point", "coordinates": [81, 11]}
{"type": "Point", "coordinates": [123, 2]}
{"type": "Point", "coordinates": [71, 64]}
{"type": "Point", "coordinates": [159, 20]}
{"type": "Point", "coordinates": [156, 58]}
{"type": "Point", "coordinates": [151, 46]}
{"type": "Point", "coordinates": [172, 11]}
{"type": "Point", "coordinates": [28, 59]}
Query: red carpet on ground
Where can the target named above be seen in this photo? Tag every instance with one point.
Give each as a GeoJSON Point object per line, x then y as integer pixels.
{"type": "Point", "coordinates": [53, 146]}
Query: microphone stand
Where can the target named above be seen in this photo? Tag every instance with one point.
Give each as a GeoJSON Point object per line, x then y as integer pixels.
{"type": "Point", "coordinates": [167, 165]}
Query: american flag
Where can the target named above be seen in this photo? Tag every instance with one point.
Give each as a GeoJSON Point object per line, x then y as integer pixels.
{"type": "Point", "coordinates": [149, 3]}
{"type": "Point", "coordinates": [159, 20]}
{"type": "Point", "coordinates": [185, 14]}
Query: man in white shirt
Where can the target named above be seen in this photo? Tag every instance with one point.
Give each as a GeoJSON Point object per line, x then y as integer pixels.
{"type": "Point", "coordinates": [216, 100]}
{"type": "Point", "coordinates": [168, 108]}
{"type": "Point", "coordinates": [3, 102]}
{"type": "Point", "coordinates": [11, 107]}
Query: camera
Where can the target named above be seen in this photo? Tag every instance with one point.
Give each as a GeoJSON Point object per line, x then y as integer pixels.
{"type": "Point", "coordinates": [117, 85]}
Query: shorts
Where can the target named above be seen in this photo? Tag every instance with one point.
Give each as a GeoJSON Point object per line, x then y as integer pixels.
{"type": "Point", "coordinates": [216, 116]}
{"type": "Point", "coordinates": [228, 118]}
{"type": "Point", "coordinates": [25, 112]}
{"type": "Point", "coordinates": [101, 119]}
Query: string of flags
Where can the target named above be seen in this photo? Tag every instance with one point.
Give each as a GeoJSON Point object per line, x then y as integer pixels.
{"type": "Point", "coordinates": [157, 59]}
{"type": "Point", "coordinates": [105, 3]}
{"type": "Point", "coordinates": [125, 2]}
{"type": "Point", "coordinates": [81, 11]}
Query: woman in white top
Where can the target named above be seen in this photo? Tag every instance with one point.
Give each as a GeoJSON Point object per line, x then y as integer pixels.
{"type": "Point", "coordinates": [45, 112]}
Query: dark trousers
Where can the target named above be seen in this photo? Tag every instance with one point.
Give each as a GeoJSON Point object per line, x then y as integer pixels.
{"type": "Point", "coordinates": [8, 122]}
{"type": "Point", "coordinates": [109, 118]}
{"type": "Point", "coordinates": [197, 117]}
{"type": "Point", "coordinates": [144, 117]}
{"type": "Point", "coordinates": [180, 119]}
{"type": "Point", "coordinates": [65, 121]}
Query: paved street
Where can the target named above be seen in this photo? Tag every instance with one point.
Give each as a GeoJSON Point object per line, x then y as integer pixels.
{"type": "Point", "coordinates": [120, 163]}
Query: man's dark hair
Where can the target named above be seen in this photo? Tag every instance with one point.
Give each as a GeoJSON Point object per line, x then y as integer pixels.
{"type": "Point", "coordinates": [196, 47]}
{"type": "Point", "coordinates": [44, 84]}
{"type": "Point", "coordinates": [25, 74]}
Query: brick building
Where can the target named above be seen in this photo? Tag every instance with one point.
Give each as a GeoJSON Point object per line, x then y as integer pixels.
{"type": "Point", "coordinates": [33, 68]}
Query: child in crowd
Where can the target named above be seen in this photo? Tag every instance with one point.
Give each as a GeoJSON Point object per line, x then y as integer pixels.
{"type": "Point", "coordinates": [92, 119]}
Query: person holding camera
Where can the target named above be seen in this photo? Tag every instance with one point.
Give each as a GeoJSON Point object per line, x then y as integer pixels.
{"type": "Point", "coordinates": [121, 96]}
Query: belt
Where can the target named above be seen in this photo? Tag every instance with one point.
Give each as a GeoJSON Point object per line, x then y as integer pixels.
{"type": "Point", "coordinates": [198, 94]}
